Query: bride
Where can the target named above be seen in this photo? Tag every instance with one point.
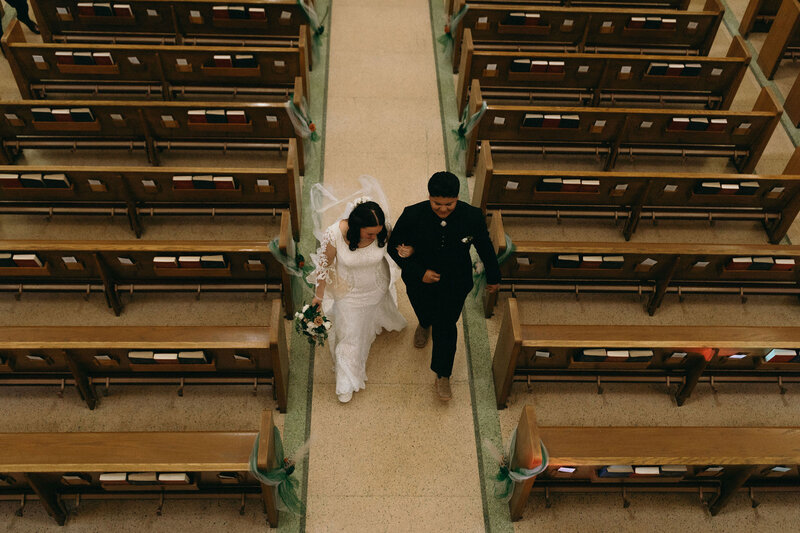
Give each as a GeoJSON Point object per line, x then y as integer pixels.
{"type": "Point", "coordinates": [354, 283]}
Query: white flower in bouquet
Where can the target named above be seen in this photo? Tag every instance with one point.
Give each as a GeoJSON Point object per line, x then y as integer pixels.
{"type": "Point", "coordinates": [328, 325]}
{"type": "Point", "coordinates": [306, 308]}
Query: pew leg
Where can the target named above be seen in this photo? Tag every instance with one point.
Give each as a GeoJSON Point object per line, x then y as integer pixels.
{"type": "Point", "coordinates": [730, 485]}
{"type": "Point", "coordinates": [85, 389]}
{"type": "Point", "coordinates": [691, 380]}
{"type": "Point", "coordinates": [48, 496]}
{"type": "Point", "coordinates": [134, 221]}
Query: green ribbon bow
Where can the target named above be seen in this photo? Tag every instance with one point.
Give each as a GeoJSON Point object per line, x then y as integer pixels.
{"type": "Point", "coordinates": [479, 272]}
{"type": "Point", "coordinates": [316, 23]}
{"type": "Point", "coordinates": [466, 125]}
{"type": "Point", "coordinates": [505, 478]}
{"type": "Point", "coordinates": [295, 266]}
{"type": "Point", "coordinates": [303, 125]}
{"type": "Point", "coordinates": [447, 38]}
{"type": "Point", "coordinates": [281, 477]}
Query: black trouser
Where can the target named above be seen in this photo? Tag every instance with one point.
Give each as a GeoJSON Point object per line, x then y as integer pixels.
{"type": "Point", "coordinates": [438, 306]}
{"type": "Point", "coordinates": [21, 7]}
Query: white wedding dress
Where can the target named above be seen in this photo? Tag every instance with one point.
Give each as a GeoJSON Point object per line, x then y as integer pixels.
{"type": "Point", "coordinates": [359, 299]}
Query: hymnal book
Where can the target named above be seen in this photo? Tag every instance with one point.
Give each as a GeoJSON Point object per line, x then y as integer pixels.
{"type": "Point", "coordinates": [668, 24]}
{"type": "Point", "coordinates": [229, 478]}
{"type": "Point", "coordinates": [569, 121]}
{"type": "Point", "coordinates": [532, 120]}
{"type": "Point", "coordinates": [73, 479]}
{"type": "Point", "coordinates": [652, 23]}
{"type": "Point", "coordinates": [783, 263]}
{"type": "Point", "coordinates": [142, 478]}
{"type": "Point", "coordinates": [141, 357]}
{"type": "Point", "coordinates": [739, 263]}
{"type": "Point", "coordinates": [617, 356]}
{"type": "Point", "coordinates": [521, 65]}
{"type": "Point", "coordinates": [698, 124]}
{"type": "Point", "coordinates": [640, 355]}
{"type": "Point", "coordinates": [615, 471]}
{"type": "Point", "coordinates": [174, 478]}
{"type": "Point", "coordinates": [674, 470]}
{"type": "Point", "coordinates": [612, 261]}
{"type": "Point", "coordinates": [10, 181]}
{"type": "Point", "coordinates": [549, 184]}
{"type": "Point", "coordinates": [114, 478]}
{"type": "Point", "coordinates": [566, 469]}
{"type": "Point", "coordinates": [779, 355]}
{"type": "Point", "coordinates": [56, 181]}
{"type": "Point", "coordinates": [691, 69]}
{"type": "Point", "coordinates": [64, 58]}
{"type": "Point", "coordinates": [678, 355]}
{"type": "Point", "coordinates": [591, 261]}
{"type": "Point", "coordinates": [776, 471]}
{"type": "Point", "coordinates": [590, 186]}
{"type": "Point", "coordinates": [42, 114]}
{"type": "Point", "coordinates": [219, 12]}
{"type": "Point", "coordinates": [570, 184]}
{"type": "Point", "coordinates": [236, 116]}
{"type": "Point", "coordinates": [190, 261]}
{"type": "Point", "coordinates": [32, 180]}
{"type": "Point", "coordinates": [224, 182]}
{"type": "Point", "coordinates": [591, 355]}
{"type": "Point", "coordinates": [163, 261]}
{"type": "Point", "coordinates": [515, 18]}
{"type": "Point", "coordinates": [551, 121]}
{"type": "Point", "coordinates": [102, 58]}
{"type": "Point", "coordinates": [555, 66]}
{"type": "Point", "coordinates": [256, 13]}
{"type": "Point", "coordinates": [710, 471]}
{"type": "Point", "coordinates": [678, 123]}
{"type": "Point", "coordinates": [103, 10]}
{"type": "Point", "coordinates": [204, 181]}
{"type": "Point", "coordinates": [674, 69]}
{"type": "Point", "coordinates": [567, 261]}
{"type": "Point", "coordinates": [6, 261]}
{"type": "Point", "coordinates": [192, 357]}
{"type": "Point", "coordinates": [223, 60]}
{"type": "Point", "coordinates": [542, 354]}
{"type": "Point", "coordinates": [123, 10]}
{"type": "Point", "coordinates": [248, 61]}
{"type": "Point", "coordinates": [636, 22]}
{"type": "Point", "coordinates": [241, 357]}
{"type": "Point", "coordinates": [216, 116]}
{"type": "Point", "coordinates": [196, 116]}
{"type": "Point", "coordinates": [748, 187]}
{"type": "Point", "coordinates": [657, 69]}
{"type": "Point", "coordinates": [26, 260]}
{"type": "Point", "coordinates": [708, 187]}
{"type": "Point", "coordinates": [165, 357]}
{"type": "Point", "coordinates": [646, 470]}
{"type": "Point", "coordinates": [86, 8]}
{"type": "Point", "coordinates": [735, 355]}
{"type": "Point", "coordinates": [538, 66]}
{"type": "Point", "coordinates": [36, 358]}
{"type": "Point", "coordinates": [728, 188]}
{"type": "Point", "coordinates": [237, 12]}
{"type": "Point", "coordinates": [761, 263]}
{"type": "Point", "coordinates": [532, 19]}
{"type": "Point", "coordinates": [182, 182]}
{"type": "Point", "coordinates": [62, 115]}
{"type": "Point", "coordinates": [212, 261]}
{"type": "Point", "coordinates": [81, 114]}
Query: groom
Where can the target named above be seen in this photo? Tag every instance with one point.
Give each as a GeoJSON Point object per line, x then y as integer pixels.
{"type": "Point", "coordinates": [438, 272]}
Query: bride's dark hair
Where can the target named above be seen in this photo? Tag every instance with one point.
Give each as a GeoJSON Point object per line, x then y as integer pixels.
{"type": "Point", "coordinates": [365, 215]}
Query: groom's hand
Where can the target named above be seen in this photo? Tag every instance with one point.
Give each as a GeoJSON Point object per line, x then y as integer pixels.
{"type": "Point", "coordinates": [430, 276]}
{"type": "Point", "coordinates": [493, 288]}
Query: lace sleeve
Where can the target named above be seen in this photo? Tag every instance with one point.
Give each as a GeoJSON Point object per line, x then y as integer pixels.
{"type": "Point", "coordinates": [324, 260]}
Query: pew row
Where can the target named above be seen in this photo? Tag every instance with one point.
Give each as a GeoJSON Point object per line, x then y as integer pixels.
{"type": "Point", "coordinates": [117, 267]}
{"type": "Point", "coordinates": [674, 355]}
{"type": "Point", "coordinates": [165, 72]}
{"type": "Point", "coordinates": [650, 4]}
{"type": "Point", "coordinates": [714, 462]}
{"type": "Point", "coordinates": [759, 16]}
{"type": "Point", "coordinates": [137, 192]}
{"type": "Point", "coordinates": [146, 125]}
{"type": "Point", "coordinates": [588, 29]}
{"type": "Point", "coordinates": [783, 39]}
{"type": "Point", "coordinates": [601, 79]}
{"type": "Point", "coordinates": [90, 355]}
{"type": "Point", "coordinates": [610, 132]}
{"type": "Point", "coordinates": [630, 197]}
{"type": "Point", "coordinates": [647, 269]}
{"type": "Point", "coordinates": [56, 468]}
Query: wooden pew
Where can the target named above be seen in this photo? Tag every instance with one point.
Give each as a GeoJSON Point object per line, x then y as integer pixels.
{"type": "Point", "coordinates": [147, 125]}
{"type": "Point", "coordinates": [92, 355]}
{"type": "Point", "coordinates": [650, 4]}
{"type": "Point", "coordinates": [614, 131]}
{"type": "Point", "coordinates": [631, 197]}
{"type": "Point", "coordinates": [115, 267]}
{"type": "Point", "coordinates": [138, 192]}
{"type": "Point", "coordinates": [719, 461]}
{"type": "Point", "coordinates": [652, 269]}
{"type": "Point", "coordinates": [601, 79]}
{"type": "Point", "coordinates": [39, 74]}
{"type": "Point", "coordinates": [759, 16]}
{"type": "Point", "coordinates": [680, 355]}
{"type": "Point", "coordinates": [588, 29]}
{"type": "Point", "coordinates": [55, 467]}
{"type": "Point", "coordinates": [783, 39]}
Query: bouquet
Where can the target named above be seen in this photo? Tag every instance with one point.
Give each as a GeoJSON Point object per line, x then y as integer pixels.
{"type": "Point", "coordinates": [313, 324]}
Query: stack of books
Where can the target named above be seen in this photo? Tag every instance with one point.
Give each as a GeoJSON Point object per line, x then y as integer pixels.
{"type": "Point", "coordinates": [12, 260]}
{"type": "Point", "coordinates": [65, 57]}
{"type": "Point", "coordinates": [589, 261]}
{"type": "Point", "coordinates": [204, 181]}
{"type": "Point", "coordinates": [34, 181]}
{"type": "Point", "coordinates": [535, 120]}
{"type": "Point", "coordinates": [523, 19]}
{"type": "Point", "coordinates": [144, 478]}
{"type": "Point", "coordinates": [151, 357]}
{"type": "Point", "coordinates": [75, 114]}
{"type": "Point", "coordinates": [568, 185]}
{"type": "Point", "coordinates": [742, 188]}
{"type": "Point", "coordinates": [235, 61]}
{"type": "Point", "coordinates": [697, 124]}
{"type": "Point", "coordinates": [674, 69]}
{"type": "Point", "coordinates": [781, 355]}
{"type": "Point", "coordinates": [217, 116]}
{"type": "Point", "coordinates": [652, 23]}
{"type": "Point", "coordinates": [222, 12]}
{"type": "Point", "coordinates": [190, 261]}
{"type": "Point", "coordinates": [528, 65]}
{"type": "Point", "coordinates": [760, 263]}
{"type": "Point", "coordinates": [89, 9]}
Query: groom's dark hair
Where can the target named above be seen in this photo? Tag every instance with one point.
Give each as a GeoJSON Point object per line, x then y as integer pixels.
{"type": "Point", "coordinates": [443, 184]}
{"type": "Point", "coordinates": [365, 215]}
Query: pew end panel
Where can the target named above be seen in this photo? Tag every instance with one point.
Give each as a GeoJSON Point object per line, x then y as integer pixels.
{"type": "Point", "coordinates": [527, 455]}
{"type": "Point", "coordinates": [767, 104]}
{"type": "Point", "coordinates": [267, 460]}
{"type": "Point", "coordinates": [781, 34]}
{"type": "Point", "coordinates": [484, 173]}
{"type": "Point", "coordinates": [15, 34]}
{"type": "Point", "coordinates": [279, 350]}
{"type": "Point", "coordinates": [506, 352]}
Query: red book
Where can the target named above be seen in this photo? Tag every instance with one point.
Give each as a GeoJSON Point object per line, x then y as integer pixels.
{"type": "Point", "coordinates": [679, 123]}
{"type": "Point", "coordinates": [555, 66]}
{"type": "Point", "coordinates": [780, 356]}
{"type": "Point", "coordinates": [668, 24]}
{"type": "Point", "coordinates": [257, 13]}
{"type": "Point", "coordinates": [236, 116]}
{"type": "Point", "coordinates": [123, 10]}
{"type": "Point", "coordinates": [590, 186]}
{"type": "Point", "coordinates": [197, 116]}
{"type": "Point", "coordinates": [64, 58]}
{"type": "Point", "coordinates": [538, 66]}
{"type": "Point", "coordinates": [636, 22]}
{"type": "Point", "coordinates": [591, 261]}
{"type": "Point", "coordinates": [62, 115]}
{"type": "Point", "coordinates": [551, 121]}
{"type": "Point", "coordinates": [717, 124]}
{"type": "Point", "coordinates": [674, 69]}
{"type": "Point", "coordinates": [86, 8]}
{"type": "Point", "coordinates": [26, 260]}
{"type": "Point", "coordinates": [223, 61]}
{"type": "Point", "coordinates": [102, 58]}
{"type": "Point", "coordinates": [182, 182]}
{"type": "Point", "coordinates": [570, 185]}
{"type": "Point", "coordinates": [532, 19]}
{"type": "Point", "coordinates": [224, 182]}
{"type": "Point", "coordinates": [10, 181]}
{"type": "Point", "coordinates": [189, 261]}
{"type": "Point", "coordinates": [220, 12]}
{"type": "Point", "coordinates": [739, 263]}
{"type": "Point", "coordinates": [783, 263]}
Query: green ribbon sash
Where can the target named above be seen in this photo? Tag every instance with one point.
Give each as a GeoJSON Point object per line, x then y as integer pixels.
{"type": "Point", "coordinates": [286, 497]}
{"type": "Point", "coordinates": [466, 126]}
{"type": "Point", "coordinates": [479, 272]}
{"type": "Point", "coordinates": [506, 477]}
{"type": "Point", "coordinates": [446, 40]}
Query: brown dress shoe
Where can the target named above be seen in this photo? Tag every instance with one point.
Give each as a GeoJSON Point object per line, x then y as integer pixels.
{"type": "Point", "coordinates": [421, 336]}
{"type": "Point", "coordinates": [443, 389]}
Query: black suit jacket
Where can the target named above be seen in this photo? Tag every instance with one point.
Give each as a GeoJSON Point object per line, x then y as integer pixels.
{"type": "Point", "coordinates": [443, 249]}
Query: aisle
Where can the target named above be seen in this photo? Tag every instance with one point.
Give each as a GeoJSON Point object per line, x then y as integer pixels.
{"type": "Point", "coordinates": [394, 458]}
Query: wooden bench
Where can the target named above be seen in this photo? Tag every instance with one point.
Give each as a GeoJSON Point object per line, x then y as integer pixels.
{"type": "Point", "coordinates": [650, 4]}
{"type": "Point", "coordinates": [651, 269]}
{"type": "Point", "coordinates": [90, 355]}
{"type": "Point", "coordinates": [601, 79]}
{"type": "Point", "coordinates": [719, 461]}
{"type": "Point", "coordinates": [674, 355]}
{"type": "Point", "coordinates": [783, 39]}
{"type": "Point", "coordinates": [630, 197]}
{"type": "Point", "coordinates": [138, 192]}
{"type": "Point", "coordinates": [58, 467]}
{"type": "Point", "coordinates": [147, 125]}
{"type": "Point", "coordinates": [759, 16]}
{"type": "Point", "coordinates": [610, 132]}
{"type": "Point", "coordinates": [588, 29]}
{"type": "Point", "coordinates": [166, 72]}
{"type": "Point", "coordinates": [115, 267]}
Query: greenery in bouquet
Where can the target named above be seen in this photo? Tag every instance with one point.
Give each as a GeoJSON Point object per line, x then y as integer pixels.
{"type": "Point", "coordinates": [313, 324]}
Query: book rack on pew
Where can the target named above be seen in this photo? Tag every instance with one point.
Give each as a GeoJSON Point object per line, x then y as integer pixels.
{"type": "Point", "coordinates": [650, 4]}
{"type": "Point", "coordinates": [631, 197]}
{"type": "Point", "coordinates": [118, 267]}
{"type": "Point", "coordinates": [714, 462]}
{"type": "Point", "coordinates": [652, 269]}
{"type": "Point", "coordinates": [588, 29]}
{"type": "Point", "coordinates": [164, 72]}
{"type": "Point", "coordinates": [601, 79]}
{"type": "Point", "coordinates": [56, 468]}
{"type": "Point", "coordinates": [87, 356]}
{"type": "Point", "coordinates": [138, 192]}
{"type": "Point", "coordinates": [607, 132]}
{"type": "Point", "coordinates": [147, 125]}
{"type": "Point", "coordinates": [675, 355]}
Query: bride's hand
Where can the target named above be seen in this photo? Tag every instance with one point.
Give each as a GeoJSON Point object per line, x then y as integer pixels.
{"type": "Point", "coordinates": [405, 251]}
{"type": "Point", "coordinates": [316, 301]}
